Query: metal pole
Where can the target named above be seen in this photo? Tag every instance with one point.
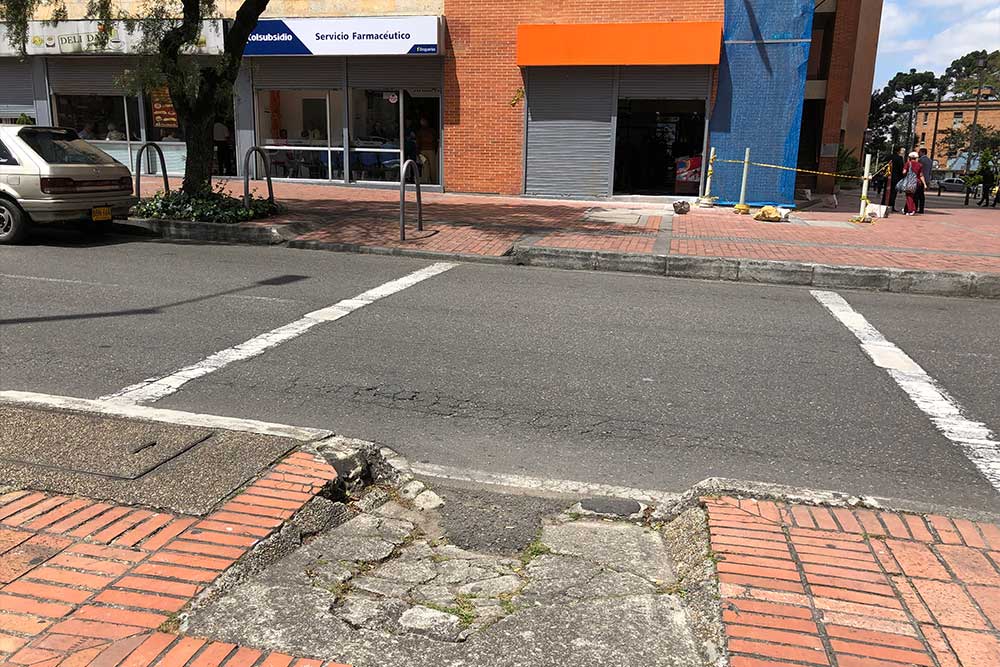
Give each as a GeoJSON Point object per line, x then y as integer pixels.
{"type": "Point", "coordinates": [706, 200]}
{"type": "Point", "coordinates": [937, 121]}
{"type": "Point", "coordinates": [972, 130]}
{"type": "Point", "coordinates": [742, 207]}
{"type": "Point", "coordinates": [864, 186]}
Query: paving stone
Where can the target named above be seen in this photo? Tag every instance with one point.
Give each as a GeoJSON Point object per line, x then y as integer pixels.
{"type": "Point", "coordinates": [382, 587]}
{"type": "Point", "coordinates": [433, 593]}
{"type": "Point", "coordinates": [412, 489]}
{"type": "Point", "coordinates": [373, 614]}
{"type": "Point", "coordinates": [492, 587]}
{"type": "Point", "coordinates": [431, 623]}
{"type": "Point", "coordinates": [622, 546]}
{"type": "Point", "coordinates": [427, 500]}
{"type": "Point", "coordinates": [408, 571]}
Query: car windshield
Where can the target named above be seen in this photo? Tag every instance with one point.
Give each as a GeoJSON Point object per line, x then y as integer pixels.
{"type": "Point", "coordinates": [63, 147]}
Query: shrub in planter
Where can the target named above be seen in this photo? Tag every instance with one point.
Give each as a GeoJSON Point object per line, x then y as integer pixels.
{"type": "Point", "coordinates": [214, 206]}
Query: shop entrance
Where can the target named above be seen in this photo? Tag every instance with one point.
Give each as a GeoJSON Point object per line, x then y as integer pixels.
{"type": "Point", "coordinates": [658, 147]}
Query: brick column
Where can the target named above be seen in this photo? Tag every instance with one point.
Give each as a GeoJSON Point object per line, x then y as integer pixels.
{"type": "Point", "coordinates": [838, 85]}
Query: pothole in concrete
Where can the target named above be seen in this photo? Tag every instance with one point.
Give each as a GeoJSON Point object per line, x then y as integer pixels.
{"type": "Point", "coordinates": [387, 589]}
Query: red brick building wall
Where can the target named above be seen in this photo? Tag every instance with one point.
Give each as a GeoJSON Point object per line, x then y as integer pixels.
{"type": "Point", "coordinates": [483, 86]}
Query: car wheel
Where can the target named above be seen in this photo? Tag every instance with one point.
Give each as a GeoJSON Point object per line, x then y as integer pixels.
{"type": "Point", "coordinates": [13, 222]}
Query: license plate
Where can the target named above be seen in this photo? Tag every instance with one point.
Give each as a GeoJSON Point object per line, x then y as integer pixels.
{"type": "Point", "coordinates": [100, 213]}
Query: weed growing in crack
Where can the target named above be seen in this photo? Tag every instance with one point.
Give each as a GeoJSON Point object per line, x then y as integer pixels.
{"type": "Point", "coordinates": [533, 551]}
{"type": "Point", "coordinates": [463, 609]}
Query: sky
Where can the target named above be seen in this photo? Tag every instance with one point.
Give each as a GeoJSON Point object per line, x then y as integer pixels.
{"type": "Point", "coordinates": [929, 34]}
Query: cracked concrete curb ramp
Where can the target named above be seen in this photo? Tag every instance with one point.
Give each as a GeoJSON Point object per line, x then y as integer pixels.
{"type": "Point", "coordinates": [939, 283]}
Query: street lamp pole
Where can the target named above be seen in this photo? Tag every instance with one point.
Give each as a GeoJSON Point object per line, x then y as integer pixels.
{"type": "Point", "coordinates": [981, 64]}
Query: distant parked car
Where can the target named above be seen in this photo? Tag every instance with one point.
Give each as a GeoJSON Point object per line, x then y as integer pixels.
{"type": "Point", "coordinates": [51, 175]}
{"type": "Point", "coordinates": [952, 184]}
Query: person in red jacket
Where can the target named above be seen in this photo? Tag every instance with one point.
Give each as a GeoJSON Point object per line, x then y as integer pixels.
{"type": "Point", "coordinates": [914, 182]}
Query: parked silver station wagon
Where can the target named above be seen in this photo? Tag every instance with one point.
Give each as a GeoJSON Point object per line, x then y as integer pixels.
{"type": "Point", "coordinates": [51, 175]}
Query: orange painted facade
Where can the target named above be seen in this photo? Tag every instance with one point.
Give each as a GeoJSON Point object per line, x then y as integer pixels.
{"type": "Point", "coordinates": [687, 43]}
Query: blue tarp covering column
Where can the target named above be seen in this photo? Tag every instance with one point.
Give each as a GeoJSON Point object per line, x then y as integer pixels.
{"type": "Point", "coordinates": [762, 78]}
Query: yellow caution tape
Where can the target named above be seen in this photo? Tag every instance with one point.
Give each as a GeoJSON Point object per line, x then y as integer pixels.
{"type": "Point", "coordinates": [803, 171]}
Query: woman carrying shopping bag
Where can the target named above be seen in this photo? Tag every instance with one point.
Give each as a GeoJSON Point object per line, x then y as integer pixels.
{"type": "Point", "coordinates": [913, 180]}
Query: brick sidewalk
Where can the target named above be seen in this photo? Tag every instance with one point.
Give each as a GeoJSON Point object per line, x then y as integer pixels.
{"type": "Point", "coordinates": [88, 584]}
{"type": "Point", "coordinates": [949, 237]}
{"type": "Point", "coordinates": [815, 586]}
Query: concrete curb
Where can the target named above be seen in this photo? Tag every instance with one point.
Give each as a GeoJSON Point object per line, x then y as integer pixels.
{"type": "Point", "coordinates": [215, 232]}
{"type": "Point", "coordinates": [939, 283]}
{"type": "Point", "coordinates": [399, 252]}
{"type": "Point", "coordinates": [768, 272]}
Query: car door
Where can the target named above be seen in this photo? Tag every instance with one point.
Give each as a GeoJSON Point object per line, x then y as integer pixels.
{"type": "Point", "coordinates": [10, 171]}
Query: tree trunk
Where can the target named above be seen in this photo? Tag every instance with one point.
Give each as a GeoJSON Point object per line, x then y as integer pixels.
{"type": "Point", "coordinates": [199, 140]}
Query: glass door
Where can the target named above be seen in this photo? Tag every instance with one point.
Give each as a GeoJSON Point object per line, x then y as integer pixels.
{"type": "Point", "coordinates": [375, 151]}
{"type": "Point", "coordinates": [422, 141]}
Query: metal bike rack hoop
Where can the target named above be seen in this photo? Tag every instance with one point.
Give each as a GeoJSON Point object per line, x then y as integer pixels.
{"type": "Point", "coordinates": [138, 167]}
{"type": "Point", "coordinates": [408, 166]}
{"type": "Point", "coordinates": [246, 174]}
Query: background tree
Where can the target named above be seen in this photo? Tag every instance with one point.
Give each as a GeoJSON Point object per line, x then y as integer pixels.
{"type": "Point", "coordinates": [963, 75]}
{"type": "Point", "coordinates": [201, 88]}
{"type": "Point", "coordinates": [907, 90]}
{"type": "Point", "coordinates": [956, 140]}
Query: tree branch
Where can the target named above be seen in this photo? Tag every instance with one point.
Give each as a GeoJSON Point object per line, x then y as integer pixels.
{"type": "Point", "coordinates": [239, 33]}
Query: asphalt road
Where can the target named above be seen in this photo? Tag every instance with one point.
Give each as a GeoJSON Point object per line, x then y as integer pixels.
{"type": "Point", "coordinates": [618, 379]}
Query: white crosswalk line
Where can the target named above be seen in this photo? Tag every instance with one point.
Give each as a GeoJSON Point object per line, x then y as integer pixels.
{"type": "Point", "coordinates": [155, 388]}
{"type": "Point", "coordinates": [978, 443]}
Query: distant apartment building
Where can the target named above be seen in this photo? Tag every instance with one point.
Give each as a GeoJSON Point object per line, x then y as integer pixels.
{"type": "Point", "coordinates": [932, 121]}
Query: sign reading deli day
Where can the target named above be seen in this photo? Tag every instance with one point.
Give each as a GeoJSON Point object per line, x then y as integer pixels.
{"type": "Point", "coordinates": [67, 38]}
{"type": "Point", "coordinates": [361, 36]}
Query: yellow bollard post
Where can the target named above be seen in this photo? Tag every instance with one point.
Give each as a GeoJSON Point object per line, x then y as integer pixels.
{"type": "Point", "coordinates": [742, 207]}
{"type": "Point", "coordinates": [864, 187]}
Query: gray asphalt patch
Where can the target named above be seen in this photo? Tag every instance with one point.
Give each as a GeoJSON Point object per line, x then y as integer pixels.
{"type": "Point", "coordinates": [185, 470]}
{"type": "Point", "coordinates": [495, 523]}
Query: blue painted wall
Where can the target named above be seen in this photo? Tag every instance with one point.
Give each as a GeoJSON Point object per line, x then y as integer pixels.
{"type": "Point", "coordinates": [762, 79]}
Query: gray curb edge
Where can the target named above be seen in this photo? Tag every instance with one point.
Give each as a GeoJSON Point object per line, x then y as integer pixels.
{"type": "Point", "coordinates": [769, 272]}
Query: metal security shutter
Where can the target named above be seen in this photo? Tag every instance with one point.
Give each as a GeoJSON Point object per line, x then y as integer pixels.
{"type": "Point", "coordinates": [16, 93]}
{"type": "Point", "coordinates": [86, 76]}
{"type": "Point", "coordinates": [677, 82]}
{"type": "Point", "coordinates": [413, 72]}
{"type": "Point", "coordinates": [292, 72]}
{"type": "Point", "coordinates": [569, 131]}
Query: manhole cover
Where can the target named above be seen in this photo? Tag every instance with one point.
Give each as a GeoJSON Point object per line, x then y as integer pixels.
{"type": "Point", "coordinates": [101, 446]}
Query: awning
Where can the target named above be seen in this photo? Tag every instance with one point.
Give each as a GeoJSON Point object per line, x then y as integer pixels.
{"type": "Point", "coordinates": [678, 43]}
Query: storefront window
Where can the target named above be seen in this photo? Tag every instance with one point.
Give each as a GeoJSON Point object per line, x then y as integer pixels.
{"type": "Point", "coordinates": [163, 127]}
{"type": "Point", "coordinates": [110, 122]}
{"type": "Point", "coordinates": [302, 132]}
{"type": "Point", "coordinates": [375, 149]}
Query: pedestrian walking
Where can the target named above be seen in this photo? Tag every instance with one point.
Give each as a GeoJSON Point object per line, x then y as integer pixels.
{"type": "Point", "coordinates": [895, 176]}
{"type": "Point", "coordinates": [988, 180]}
{"type": "Point", "coordinates": [911, 181]}
{"type": "Point", "coordinates": [928, 172]}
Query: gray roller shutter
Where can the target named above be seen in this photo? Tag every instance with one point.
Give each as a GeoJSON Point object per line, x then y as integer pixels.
{"type": "Point", "coordinates": [413, 72]}
{"type": "Point", "coordinates": [87, 76]}
{"type": "Point", "coordinates": [678, 82]}
{"type": "Point", "coordinates": [16, 91]}
{"type": "Point", "coordinates": [569, 131]}
{"type": "Point", "coordinates": [295, 72]}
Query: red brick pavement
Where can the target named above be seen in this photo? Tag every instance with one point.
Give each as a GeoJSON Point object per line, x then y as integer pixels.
{"type": "Point", "coordinates": [90, 584]}
{"type": "Point", "coordinates": [948, 237]}
{"type": "Point", "coordinates": [855, 588]}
